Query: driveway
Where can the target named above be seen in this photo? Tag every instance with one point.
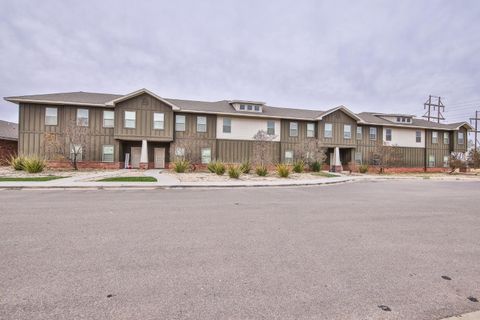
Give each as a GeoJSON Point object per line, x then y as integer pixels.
{"type": "Point", "coordinates": [327, 252]}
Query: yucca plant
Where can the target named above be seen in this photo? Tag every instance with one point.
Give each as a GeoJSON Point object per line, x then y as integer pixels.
{"type": "Point", "coordinates": [363, 168]}
{"type": "Point", "coordinates": [283, 170]}
{"type": "Point", "coordinates": [34, 164]}
{"type": "Point", "coordinates": [234, 172]}
{"type": "Point", "coordinates": [181, 165]}
{"type": "Point", "coordinates": [246, 167]}
{"type": "Point", "coordinates": [211, 166]}
{"type": "Point", "coordinates": [261, 171]}
{"type": "Point", "coordinates": [16, 163]}
{"type": "Point", "coordinates": [219, 168]}
{"type": "Point", "coordinates": [299, 166]}
{"type": "Point", "coordinates": [315, 166]}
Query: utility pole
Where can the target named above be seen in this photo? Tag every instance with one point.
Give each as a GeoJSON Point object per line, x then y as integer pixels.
{"type": "Point", "coordinates": [431, 107]}
{"type": "Point", "coordinates": [477, 128]}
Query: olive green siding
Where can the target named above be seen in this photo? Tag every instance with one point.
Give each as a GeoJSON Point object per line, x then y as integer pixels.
{"type": "Point", "coordinates": [193, 148]}
{"type": "Point", "coordinates": [338, 119]}
{"type": "Point", "coordinates": [460, 147]}
{"type": "Point", "coordinates": [144, 105]}
{"type": "Point", "coordinates": [236, 151]}
{"type": "Point", "coordinates": [302, 131]}
{"type": "Point", "coordinates": [32, 131]}
{"type": "Point", "coordinates": [191, 127]}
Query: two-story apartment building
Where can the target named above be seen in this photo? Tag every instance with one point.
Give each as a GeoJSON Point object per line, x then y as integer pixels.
{"type": "Point", "coordinates": [142, 129]}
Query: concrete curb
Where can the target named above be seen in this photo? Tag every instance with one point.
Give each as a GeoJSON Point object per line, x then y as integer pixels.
{"type": "Point", "coordinates": [466, 316]}
{"type": "Point", "coordinates": [117, 186]}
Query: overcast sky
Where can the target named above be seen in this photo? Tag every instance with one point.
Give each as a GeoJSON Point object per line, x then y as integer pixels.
{"type": "Point", "coordinates": [366, 55]}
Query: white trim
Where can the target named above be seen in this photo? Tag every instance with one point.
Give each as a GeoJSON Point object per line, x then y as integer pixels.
{"type": "Point", "coordinates": [344, 109]}
{"type": "Point", "coordinates": [19, 100]}
{"type": "Point", "coordinates": [139, 92]}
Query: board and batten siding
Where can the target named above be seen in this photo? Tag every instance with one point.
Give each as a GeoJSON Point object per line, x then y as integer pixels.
{"type": "Point", "coordinates": [236, 151]}
{"type": "Point", "coordinates": [144, 106]}
{"type": "Point", "coordinates": [32, 130]}
{"type": "Point", "coordinates": [338, 119]}
{"type": "Point", "coordinates": [191, 127]}
{"type": "Point", "coordinates": [460, 147]}
{"type": "Point", "coordinates": [245, 128]}
{"type": "Point", "coordinates": [302, 131]}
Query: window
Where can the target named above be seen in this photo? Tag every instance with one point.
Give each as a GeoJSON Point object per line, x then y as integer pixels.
{"type": "Point", "coordinates": [310, 130]}
{"type": "Point", "coordinates": [179, 152]}
{"type": "Point", "coordinates": [293, 129]}
{"type": "Point", "coordinates": [242, 107]}
{"type": "Point", "coordinates": [434, 136]}
{"type": "Point", "coordinates": [388, 134]}
{"type": "Point", "coordinates": [445, 161]}
{"type": "Point", "coordinates": [403, 119]}
{"type": "Point", "coordinates": [107, 153]}
{"type": "Point", "coordinates": [461, 138]}
{"type": "Point", "coordinates": [227, 125]}
{"type": "Point", "coordinates": [431, 161]}
{"type": "Point", "coordinates": [271, 127]}
{"type": "Point", "coordinates": [179, 122]}
{"type": "Point", "coordinates": [201, 124]}
{"type": "Point", "coordinates": [373, 133]}
{"type": "Point", "coordinates": [358, 158]}
{"type": "Point", "coordinates": [347, 131]}
{"type": "Point", "coordinates": [288, 156]}
{"type": "Point", "coordinates": [328, 130]}
{"type": "Point", "coordinates": [418, 136]}
{"type": "Point", "coordinates": [130, 119]}
{"type": "Point", "coordinates": [359, 133]}
{"type": "Point", "coordinates": [76, 149]}
{"type": "Point", "coordinates": [398, 119]}
{"type": "Point", "coordinates": [249, 107]}
{"type": "Point", "coordinates": [257, 108]}
{"type": "Point", "coordinates": [82, 117]}
{"type": "Point", "coordinates": [446, 138]}
{"type": "Point", "coordinates": [206, 155]}
{"type": "Point", "coordinates": [158, 120]}
{"type": "Point", "coordinates": [108, 118]}
{"type": "Point", "coordinates": [51, 116]}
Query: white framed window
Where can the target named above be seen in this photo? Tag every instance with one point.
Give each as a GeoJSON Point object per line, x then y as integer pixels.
{"type": "Point", "coordinates": [328, 130]}
{"type": "Point", "coordinates": [293, 129]}
{"type": "Point", "coordinates": [359, 133]}
{"type": "Point", "coordinates": [271, 127]}
{"type": "Point", "coordinates": [257, 108]}
{"type": "Point", "coordinates": [358, 158]}
{"type": "Point", "coordinates": [206, 155]}
{"type": "Point", "coordinates": [242, 107]}
{"type": "Point", "coordinates": [158, 120]}
{"type": "Point", "coordinates": [51, 116]}
{"type": "Point", "coordinates": [179, 152]}
{"type": "Point", "coordinates": [434, 137]}
{"type": "Point", "coordinates": [418, 136]}
{"type": "Point", "coordinates": [347, 131]}
{"type": "Point", "coordinates": [249, 107]}
{"type": "Point", "coordinates": [82, 117]}
{"type": "Point", "coordinates": [227, 125]}
{"type": "Point", "coordinates": [130, 119]}
{"type": "Point", "coordinates": [108, 118]}
{"type": "Point", "coordinates": [288, 156]}
{"type": "Point", "coordinates": [445, 161]}
{"type": "Point", "coordinates": [180, 122]}
{"type": "Point", "coordinates": [310, 130]}
{"type": "Point", "coordinates": [388, 134]}
{"type": "Point", "coordinates": [431, 161]}
{"type": "Point", "coordinates": [107, 153]}
{"type": "Point", "coordinates": [461, 138]}
{"type": "Point", "coordinates": [201, 124]}
{"type": "Point", "coordinates": [446, 138]}
{"type": "Point", "coordinates": [76, 149]}
{"type": "Point", "coordinates": [373, 133]}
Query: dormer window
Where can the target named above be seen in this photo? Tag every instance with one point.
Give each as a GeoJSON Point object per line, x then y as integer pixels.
{"type": "Point", "coordinates": [248, 106]}
{"type": "Point", "coordinates": [242, 107]}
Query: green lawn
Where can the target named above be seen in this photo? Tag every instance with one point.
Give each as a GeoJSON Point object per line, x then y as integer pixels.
{"type": "Point", "coordinates": [129, 179]}
{"type": "Point", "coordinates": [325, 174]}
{"type": "Point", "coordinates": [46, 178]}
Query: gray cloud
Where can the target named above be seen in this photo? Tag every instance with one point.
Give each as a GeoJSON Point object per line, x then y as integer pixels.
{"type": "Point", "coordinates": [368, 55]}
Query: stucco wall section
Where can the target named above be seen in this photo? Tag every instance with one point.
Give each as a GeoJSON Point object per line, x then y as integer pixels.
{"type": "Point", "coordinates": [404, 137]}
{"type": "Point", "coordinates": [245, 128]}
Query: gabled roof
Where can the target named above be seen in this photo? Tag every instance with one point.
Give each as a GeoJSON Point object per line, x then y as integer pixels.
{"type": "Point", "coordinates": [137, 93]}
{"type": "Point", "coordinates": [375, 118]}
{"type": "Point", "coordinates": [8, 130]}
{"type": "Point", "coordinates": [73, 98]}
{"type": "Point", "coordinates": [342, 108]}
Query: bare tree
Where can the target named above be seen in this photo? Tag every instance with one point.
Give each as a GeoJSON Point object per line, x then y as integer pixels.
{"type": "Point", "coordinates": [310, 151]}
{"type": "Point", "coordinates": [456, 161]}
{"type": "Point", "coordinates": [474, 158]}
{"type": "Point", "coordinates": [54, 146]}
{"type": "Point", "coordinates": [263, 148]}
{"type": "Point", "coordinates": [76, 137]}
{"type": "Point", "coordinates": [387, 156]}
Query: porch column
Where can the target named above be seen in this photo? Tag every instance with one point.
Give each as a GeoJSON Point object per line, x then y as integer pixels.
{"type": "Point", "coordinates": [337, 166]}
{"type": "Point", "coordinates": [144, 155]}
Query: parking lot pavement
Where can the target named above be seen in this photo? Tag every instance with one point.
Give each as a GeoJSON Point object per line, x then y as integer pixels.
{"type": "Point", "coordinates": [365, 250]}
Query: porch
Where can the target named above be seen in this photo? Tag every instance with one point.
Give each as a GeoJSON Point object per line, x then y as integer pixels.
{"type": "Point", "coordinates": [338, 158]}
{"type": "Point", "coordinates": [144, 154]}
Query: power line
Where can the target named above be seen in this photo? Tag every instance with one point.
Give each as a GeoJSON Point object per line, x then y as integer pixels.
{"type": "Point", "coordinates": [439, 107]}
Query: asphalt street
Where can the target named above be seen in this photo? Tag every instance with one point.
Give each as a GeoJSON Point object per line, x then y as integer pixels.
{"type": "Point", "coordinates": [365, 250]}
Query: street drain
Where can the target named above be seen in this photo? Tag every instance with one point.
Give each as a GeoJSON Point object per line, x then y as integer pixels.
{"type": "Point", "coordinates": [446, 278]}
{"type": "Point", "coordinates": [473, 299]}
{"type": "Point", "coordinates": [384, 308]}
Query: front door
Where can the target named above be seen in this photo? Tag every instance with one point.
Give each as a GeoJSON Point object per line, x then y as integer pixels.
{"type": "Point", "coordinates": [135, 155]}
{"type": "Point", "coordinates": [159, 158]}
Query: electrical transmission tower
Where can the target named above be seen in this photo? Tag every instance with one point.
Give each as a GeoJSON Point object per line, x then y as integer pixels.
{"type": "Point", "coordinates": [477, 128]}
{"type": "Point", "coordinates": [434, 109]}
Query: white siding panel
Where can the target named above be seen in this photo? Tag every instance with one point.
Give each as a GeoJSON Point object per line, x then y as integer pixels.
{"type": "Point", "coordinates": [245, 128]}
{"type": "Point", "coordinates": [404, 137]}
